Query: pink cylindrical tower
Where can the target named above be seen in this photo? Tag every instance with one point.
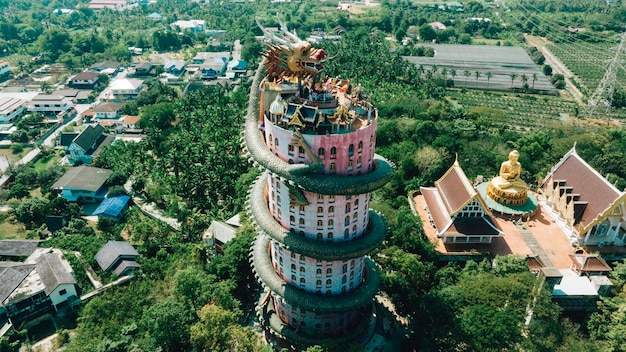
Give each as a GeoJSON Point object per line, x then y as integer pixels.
{"type": "Point", "coordinates": [315, 140]}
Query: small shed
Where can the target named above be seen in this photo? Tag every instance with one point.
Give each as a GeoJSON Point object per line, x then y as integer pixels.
{"type": "Point", "coordinates": [118, 256]}
{"type": "Point", "coordinates": [113, 207]}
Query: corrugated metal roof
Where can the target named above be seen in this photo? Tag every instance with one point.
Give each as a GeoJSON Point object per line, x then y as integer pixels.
{"type": "Point", "coordinates": [52, 272]}
{"type": "Point", "coordinates": [113, 250]}
{"type": "Point", "coordinates": [112, 206]}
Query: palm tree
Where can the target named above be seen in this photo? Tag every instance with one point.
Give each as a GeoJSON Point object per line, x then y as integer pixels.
{"type": "Point", "coordinates": [513, 76]}
{"type": "Point", "coordinates": [444, 72]}
{"type": "Point", "coordinates": [524, 80]}
{"type": "Point", "coordinates": [535, 77]}
{"type": "Point", "coordinates": [453, 73]}
{"type": "Point", "coordinates": [489, 75]}
{"type": "Point", "coordinates": [466, 73]}
{"type": "Point", "coordinates": [477, 75]}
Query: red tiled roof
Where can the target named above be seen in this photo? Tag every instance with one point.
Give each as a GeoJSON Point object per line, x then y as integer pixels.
{"type": "Point", "coordinates": [589, 262]}
{"type": "Point", "coordinates": [455, 189]}
{"type": "Point", "coordinates": [440, 215]}
{"type": "Point", "coordinates": [131, 119]}
{"type": "Point", "coordinates": [586, 181]}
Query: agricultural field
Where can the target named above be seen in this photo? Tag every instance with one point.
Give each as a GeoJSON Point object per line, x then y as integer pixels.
{"type": "Point", "coordinates": [520, 112]}
{"type": "Point", "coordinates": [588, 62]}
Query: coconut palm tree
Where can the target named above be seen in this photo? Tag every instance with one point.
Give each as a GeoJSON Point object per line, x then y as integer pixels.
{"type": "Point", "coordinates": [453, 73]}
{"type": "Point", "coordinates": [535, 77]}
{"type": "Point", "coordinates": [489, 74]}
{"type": "Point", "coordinates": [466, 73]}
{"type": "Point", "coordinates": [513, 76]}
{"type": "Point", "coordinates": [477, 75]}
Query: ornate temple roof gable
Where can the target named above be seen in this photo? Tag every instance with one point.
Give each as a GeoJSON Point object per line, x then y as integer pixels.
{"type": "Point", "coordinates": [586, 181]}
{"type": "Point", "coordinates": [456, 190]}
{"type": "Point", "coordinates": [614, 210]}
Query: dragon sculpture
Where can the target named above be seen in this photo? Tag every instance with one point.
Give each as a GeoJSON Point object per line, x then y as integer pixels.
{"type": "Point", "coordinates": [288, 55]}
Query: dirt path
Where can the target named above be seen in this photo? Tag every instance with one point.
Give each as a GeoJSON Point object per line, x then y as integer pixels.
{"type": "Point", "coordinates": [556, 64]}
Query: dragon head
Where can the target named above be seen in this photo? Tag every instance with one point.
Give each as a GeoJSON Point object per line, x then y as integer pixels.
{"type": "Point", "coordinates": [289, 55]}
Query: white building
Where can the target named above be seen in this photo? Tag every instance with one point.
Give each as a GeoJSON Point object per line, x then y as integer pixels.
{"type": "Point", "coordinates": [128, 88]}
{"type": "Point", "coordinates": [195, 26]}
{"type": "Point", "coordinates": [50, 104]}
{"type": "Point", "coordinates": [11, 109]}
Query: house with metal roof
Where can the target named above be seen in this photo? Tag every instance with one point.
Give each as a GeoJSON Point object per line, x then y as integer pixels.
{"type": "Point", "coordinates": [221, 232]}
{"type": "Point", "coordinates": [43, 284]}
{"type": "Point", "coordinates": [85, 80]}
{"type": "Point", "coordinates": [586, 205]}
{"type": "Point", "coordinates": [88, 144]}
{"type": "Point", "coordinates": [125, 89]}
{"type": "Point", "coordinates": [112, 207]}
{"type": "Point", "coordinates": [119, 257]}
{"type": "Point", "coordinates": [83, 183]}
{"type": "Point", "coordinates": [457, 210]}
{"type": "Point", "coordinates": [11, 109]}
{"type": "Point", "coordinates": [108, 110]}
{"type": "Point", "coordinates": [16, 249]}
{"type": "Point", "coordinates": [51, 104]}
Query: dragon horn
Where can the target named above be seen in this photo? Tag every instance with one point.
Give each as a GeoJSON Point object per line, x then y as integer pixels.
{"type": "Point", "coordinates": [287, 32]}
{"type": "Point", "coordinates": [272, 36]}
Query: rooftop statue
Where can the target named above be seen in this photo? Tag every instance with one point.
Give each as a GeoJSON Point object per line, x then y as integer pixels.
{"type": "Point", "coordinates": [292, 56]}
{"type": "Point", "coordinates": [508, 187]}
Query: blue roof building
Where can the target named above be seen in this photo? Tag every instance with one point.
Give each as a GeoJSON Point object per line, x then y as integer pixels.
{"type": "Point", "coordinates": [112, 207]}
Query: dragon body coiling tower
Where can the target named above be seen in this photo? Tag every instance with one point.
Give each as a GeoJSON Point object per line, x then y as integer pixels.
{"type": "Point", "coordinates": [315, 141]}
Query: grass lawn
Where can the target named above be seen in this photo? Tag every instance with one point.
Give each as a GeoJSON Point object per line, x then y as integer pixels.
{"type": "Point", "coordinates": [13, 158]}
{"type": "Point", "coordinates": [9, 231]}
{"type": "Point", "coordinates": [47, 161]}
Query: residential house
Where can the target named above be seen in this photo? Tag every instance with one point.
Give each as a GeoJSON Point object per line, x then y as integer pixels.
{"type": "Point", "coordinates": [194, 26]}
{"type": "Point", "coordinates": [98, 5]}
{"type": "Point", "coordinates": [586, 205]}
{"type": "Point", "coordinates": [437, 26]}
{"type": "Point", "coordinates": [62, 12]}
{"type": "Point", "coordinates": [236, 68]}
{"type": "Point", "coordinates": [108, 110]}
{"type": "Point", "coordinates": [87, 144]}
{"type": "Point", "coordinates": [112, 207]}
{"type": "Point", "coordinates": [126, 89]}
{"type": "Point", "coordinates": [85, 80]}
{"type": "Point", "coordinates": [107, 67]}
{"type": "Point", "coordinates": [221, 232]}
{"type": "Point", "coordinates": [130, 122]}
{"type": "Point", "coordinates": [17, 250]}
{"type": "Point", "coordinates": [83, 183]}
{"type": "Point", "coordinates": [43, 284]}
{"type": "Point", "coordinates": [175, 67]}
{"type": "Point", "coordinates": [155, 16]}
{"type": "Point", "coordinates": [78, 96]}
{"type": "Point", "coordinates": [66, 138]}
{"type": "Point", "coordinates": [457, 210]}
{"type": "Point", "coordinates": [51, 104]}
{"type": "Point", "coordinates": [205, 56]}
{"type": "Point", "coordinates": [147, 69]}
{"type": "Point", "coordinates": [119, 257]}
{"type": "Point", "coordinates": [5, 68]}
{"type": "Point", "coordinates": [11, 109]}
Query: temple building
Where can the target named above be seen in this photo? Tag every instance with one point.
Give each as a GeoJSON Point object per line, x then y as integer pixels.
{"type": "Point", "coordinates": [588, 208]}
{"type": "Point", "coordinates": [315, 142]}
{"type": "Point", "coordinates": [457, 210]}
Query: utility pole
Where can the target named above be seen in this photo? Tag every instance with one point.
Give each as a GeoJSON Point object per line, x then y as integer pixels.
{"type": "Point", "coordinates": [601, 100]}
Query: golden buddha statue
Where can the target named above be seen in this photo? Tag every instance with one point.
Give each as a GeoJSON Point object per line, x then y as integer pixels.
{"type": "Point", "coordinates": [508, 188]}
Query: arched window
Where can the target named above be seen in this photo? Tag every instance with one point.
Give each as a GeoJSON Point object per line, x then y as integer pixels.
{"type": "Point", "coordinates": [333, 152]}
{"type": "Point", "coordinates": [331, 222]}
{"type": "Point", "coordinates": [355, 216]}
{"type": "Point", "coordinates": [320, 152]}
{"type": "Point", "coordinates": [293, 255]}
{"type": "Point", "coordinates": [331, 209]}
{"type": "Point", "coordinates": [320, 211]}
{"type": "Point", "coordinates": [330, 236]}
{"type": "Point", "coordinates": [319, 271]}
{"type": "Point", "coordinates": [358, 162]}
{"type": "Point", "coordinates": [293, 278]}
{"type": "Point", "coordinates": [350, 164]}
{"type": "Point", "coordinates": [302, 281]}
{"type": "Point", "coordinates": [292, 219]}
{"type": "Point", "coordinates": [347, 220]}
{"type": "Point", "coordinates": [290, 148]}
{"type": "Point", "coordinates": [360, 145]}
{"type": "Point", "coordinates": [344, 279]}
{"type": "Point", "coordinates": [300, 150]}
{"type": "Point", "coordinates": [346, 233]}
{"type": "Point", "coordinates": [318, 283]}
{"type": "Point", "coordinates": [320, 223]}
{"type": "Point", "coordinates": [329, 282]}
{"type": "Point", "coordinates": [354, 229]}
{"type": "Point", "coordinates": [302, 221]}
{"type": "Point", "coordinates": [280, 259]}
{"type": "Point", "coordinates": [271, 139]}
{"type": "Point", "coordinates": [320, 236]}
{"type": "Point", "coordinates": [293, 267]}
{"type": "Point", "coordinates": [333, 167]}
{"type": "Point", "coordinates": [278, 200]}
{"type": "Point", "coordinates": [302, 269]}
{"type": "Point", "coordinates": [351, 150]}
{"type": "Point", "coordinates": [347, 207]}
{"type": "Point", "coordinates": [356, 203]}
{"type": "Point", "coordinates": [329, 271]}
{"type": "Point", "coordinates": [277, 143]}
{"type": "Point", "coordinates": [344, 268]}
